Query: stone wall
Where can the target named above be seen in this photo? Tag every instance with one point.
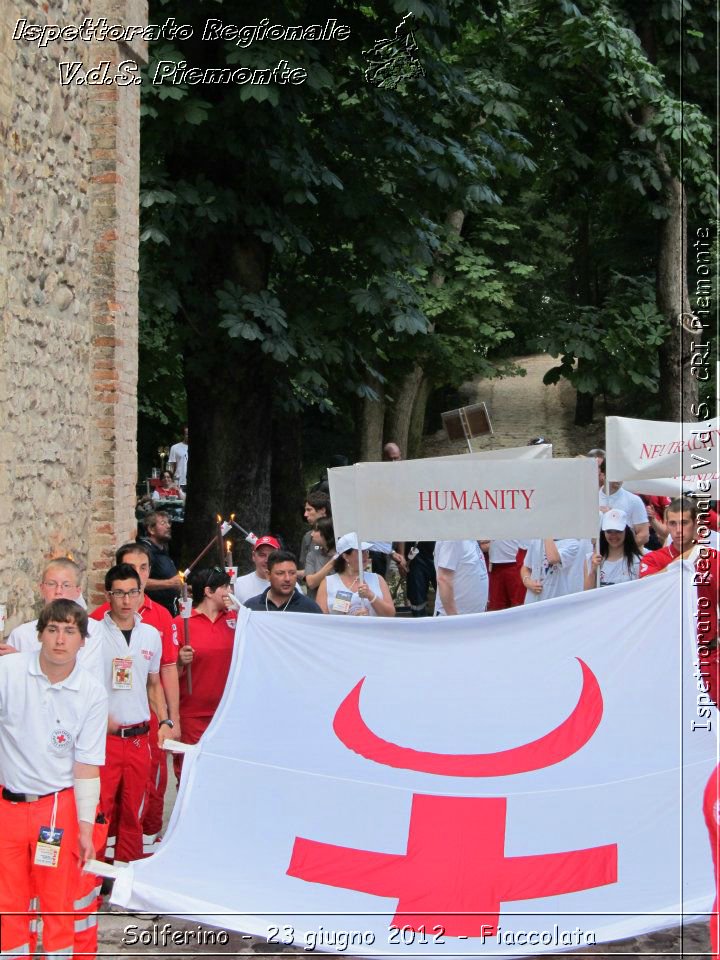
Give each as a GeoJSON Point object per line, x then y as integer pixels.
{"type": "Point", "coordinates": [68, 302]}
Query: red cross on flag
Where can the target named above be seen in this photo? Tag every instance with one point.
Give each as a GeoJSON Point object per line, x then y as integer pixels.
{"type": "Point", "coordinates": [499, 784]}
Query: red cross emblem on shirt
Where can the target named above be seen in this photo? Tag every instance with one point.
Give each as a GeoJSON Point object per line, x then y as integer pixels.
{"type": "Point", "coordinates": [455, 874]}
{"type": "Point", "coordinates": [61, 738]}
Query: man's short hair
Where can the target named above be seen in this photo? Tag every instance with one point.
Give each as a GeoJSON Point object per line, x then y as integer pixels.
{"type": "Point", "coordinates": [682, 505]}
{"type": "Point", "coordinates": [211, 577]}
{"type": "Point", "coordinates": [319, 500]}
{"type": "Point", "coordinates": [65, 563]}
{"type": "Point", "coordinates": [152, 518]}
{"type": "Point", "coordinates": [597, 452]}
{"type": "Point", "coordinates": [132, 547]}
{"type": "Point", "coordinates": [121, 571]}
{"type": "Point", "coordinates": [281, 556]}
{"type": "Point", "coordinates": [63, 611]}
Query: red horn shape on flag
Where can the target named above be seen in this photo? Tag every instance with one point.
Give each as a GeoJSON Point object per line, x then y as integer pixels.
{"type": "Point", "coordinates": [561, 743]}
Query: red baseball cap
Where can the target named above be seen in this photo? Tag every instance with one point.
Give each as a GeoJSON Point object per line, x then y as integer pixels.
{"type": "Point", "coordinates": [266, 541]}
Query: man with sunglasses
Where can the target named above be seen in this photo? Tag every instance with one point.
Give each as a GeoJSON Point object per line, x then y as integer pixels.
{"type": "Point", "coordinates": [131, 675]}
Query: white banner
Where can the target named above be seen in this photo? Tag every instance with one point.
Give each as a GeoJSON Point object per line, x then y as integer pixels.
{"type": "Point", "coordinates": [498, 784]}
{"type": "Point", "coordinates": [439, 499]}
{"type": "Point", "coordinates": [657, 449]}
{"type": "Point", "coordinates": [342, 479]}
{"type": "Point", "coordinates": [705, 484]}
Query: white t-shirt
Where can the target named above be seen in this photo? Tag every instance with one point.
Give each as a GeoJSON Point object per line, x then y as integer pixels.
{"type": "Point", "coordinates": [179, 459]}
{"type": "Point", "coordinates": [25, 639]}
{"type": "Point", "coordinates": [503, 551]}
{"type": "Point", "coordinates": [251, 585]}
{"type": "Point", "coordinates": [616, 571]}
{"type": "Point", "coordinates": [470, 584]}
{"type": "Point", "coordinates": [46, 727]}
{"type": "Point", "coordinates": [127, 692]}
{"type": "Point", "coordinates": [630, 503]}
{"type": "Point", "coordinates": [559, 579]}
{"type": "Point", "coordinates": [335, 586]}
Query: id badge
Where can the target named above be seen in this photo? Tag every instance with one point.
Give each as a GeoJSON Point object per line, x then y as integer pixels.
{"type": "Point", "coordinates": [342, 601]}
{"type": "Point", "coordinates": [412, 553]}
{"type": "Point", "coordinates": [47, 850]}
{"type": "Point", "coordinates": [122, 673]}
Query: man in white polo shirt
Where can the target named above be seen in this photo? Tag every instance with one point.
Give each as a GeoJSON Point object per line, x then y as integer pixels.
{"type": "Point", "coordinates": [60, 581]}
{"type": "Point", "coordinates": [258, 581]}
{"type": "Point", "coordinates": [462, 578]}
{"type": "Point", "coordinates": [131, 674]}
{"type": "Point", "coordinates": [53, 716]}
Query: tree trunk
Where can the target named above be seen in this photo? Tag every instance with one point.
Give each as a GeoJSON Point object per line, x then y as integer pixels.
{"type": "Point", "coordinates": [407, 414]}
{"type": "Point", "coordinates": [678, 387]}
{"type": "Point", "coordinates": [584, 402]}
{"type": "Point", "coordinates": [286, 481]}
{"type": "Point", "coordinates": [399, 416]}
{"type": "Point", "coordinates": [371, 425]}
{"type": "Point", "coordinates": [229, 462]}
{"type": "Point", "coordinates": [417, 421]}
{"type": "Point", "coordinates": [229, 418]}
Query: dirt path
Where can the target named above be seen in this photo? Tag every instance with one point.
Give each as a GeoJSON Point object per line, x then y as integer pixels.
{"type": "Point", "coordinates": [521, 408]}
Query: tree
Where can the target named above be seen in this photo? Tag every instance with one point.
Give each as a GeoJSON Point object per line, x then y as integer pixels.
{"type": "Point", "coordinates": [298, 246]}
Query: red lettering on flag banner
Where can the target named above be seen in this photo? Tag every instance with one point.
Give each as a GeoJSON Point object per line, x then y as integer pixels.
{"type": "Point", "coordinates": [566, 739]}
{"type": "Point", "coordinates": [455, 873]}
{"type": "Point", "coordinates": [467, 500]}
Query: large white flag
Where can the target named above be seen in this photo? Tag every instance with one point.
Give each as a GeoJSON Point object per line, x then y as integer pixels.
{"type": "Point", "coordinates": [495, 784]}
{"type": "Point", "coordinates": [460, 497]}
{"type": "Point", "coordinates": [641, 450]}
{"type": "Point", "coordinates": [342, 479]}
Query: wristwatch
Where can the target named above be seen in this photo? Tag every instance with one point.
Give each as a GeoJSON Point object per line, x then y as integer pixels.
{"type": "Point", "coordinates": [168, 722]}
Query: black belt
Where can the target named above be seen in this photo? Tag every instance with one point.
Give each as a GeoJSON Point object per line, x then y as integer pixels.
{"type": "Point", "coordinates": [135, 731]}
{"type": "Point", "coordinates": [27, 797]}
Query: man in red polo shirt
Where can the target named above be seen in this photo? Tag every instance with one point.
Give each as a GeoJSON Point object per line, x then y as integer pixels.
{"type": "Point", "coordinates": [681, 521]}
{"type": "Point", "coordinates": [154, 614]}
{"type": "Point", "coordinates": [211, 630]}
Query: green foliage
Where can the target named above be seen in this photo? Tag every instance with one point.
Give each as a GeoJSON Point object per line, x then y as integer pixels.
{"type": "Point", "coordinates": [618, 342]}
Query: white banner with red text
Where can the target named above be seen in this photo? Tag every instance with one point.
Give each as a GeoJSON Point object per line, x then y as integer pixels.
{"type": "Point", "coordinates": [342, 479]}
{"type": "Point", "coordinates": [498, 784]}
{"type": "Point", "coordinates": [640, 450]}
{"type": "Point", "coordinates": [461, 497]}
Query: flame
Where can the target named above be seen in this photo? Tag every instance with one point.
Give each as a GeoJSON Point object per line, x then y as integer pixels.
{"type": "Point", "coordinates": [219, 518]}
{"type": "Point", "coordinates": [228, 546]}
{"type": "Point", "coordinates": [232, 517]}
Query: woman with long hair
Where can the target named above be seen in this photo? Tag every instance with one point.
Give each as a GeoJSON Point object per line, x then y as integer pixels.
{"type": "Point", "coordinates": [343, 593]}
{"type": "Point", "coordinates": [619, 555]}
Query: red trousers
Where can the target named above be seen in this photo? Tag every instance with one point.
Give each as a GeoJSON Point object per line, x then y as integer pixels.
{"type": "Point", "coordinates": [711, 810]}
{"type": "Point", "coordinates": [21, 878]}
{"type": "Point", "coordinates": [87, 902]}
{"type": "Point", "coordinates": [506, 589]}
{"type": "Point", "coordinates": [153, 816]}
{"type": "Point", "coordinates": [123, 785]}
{"type": "Point", "coordinates": [192, 729]}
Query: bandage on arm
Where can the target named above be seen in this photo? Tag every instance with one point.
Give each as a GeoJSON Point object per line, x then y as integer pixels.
{"type": "Point", "coordinates": [87, 791]}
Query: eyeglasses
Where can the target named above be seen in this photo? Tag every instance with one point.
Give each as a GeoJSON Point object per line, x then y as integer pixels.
{"type": "Point", "coordinates": [121, 594]}
{"type": "Point", "coordinates": [53, 585]}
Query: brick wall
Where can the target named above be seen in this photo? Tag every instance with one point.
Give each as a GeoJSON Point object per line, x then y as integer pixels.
{"type": "Point", "coordinates": [68, 303]}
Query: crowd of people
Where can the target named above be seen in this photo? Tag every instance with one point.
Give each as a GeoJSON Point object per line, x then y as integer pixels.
{"type": "Point", "coordinates": [90, 701]}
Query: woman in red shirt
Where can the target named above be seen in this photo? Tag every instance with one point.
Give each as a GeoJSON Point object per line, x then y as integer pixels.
{"type": "Point", "coordinates": [211, 629]}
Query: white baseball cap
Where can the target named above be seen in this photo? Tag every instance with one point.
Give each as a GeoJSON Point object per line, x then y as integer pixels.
{"type": "Point", "coordinates": [614, 520]}
{"type": "Point", "coordinates": [349, 541]}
